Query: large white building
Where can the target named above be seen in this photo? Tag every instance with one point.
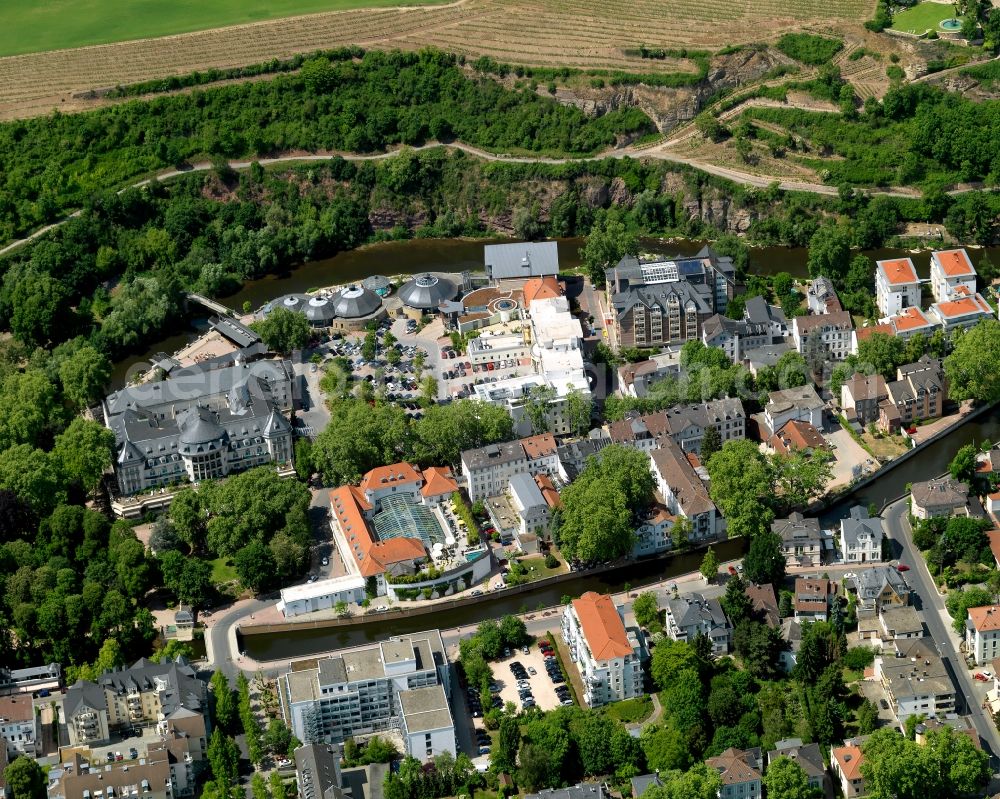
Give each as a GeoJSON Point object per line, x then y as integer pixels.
{"type": "Point", "coordinates": [400, 684]}
{"type": "Point", "coordinates": [896, 286]}
{"type": "Point", "coordinates": [982, 633]}
{"type": "Point", "coordinates": [861, 537]}
{"type": "Point", "coordinates": [915, 679]}
{"type": "Point", "coordinates": [488, 470]}
{"type": "Point", "coordinates": [951, 270]}
{"type": "Point", "coordinates": [608, 656]}
{"type": "Point", "coordinates": [826, 336]}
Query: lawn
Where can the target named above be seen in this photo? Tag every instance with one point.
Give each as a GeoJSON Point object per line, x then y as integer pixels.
{"type": "Point", "coordinates": [537, 570]}
{"type": "Point", "coordinates": [630, 711]}
{"type": "Point", "coordinates": [922, 17]}
{"type": "Point", "coordinates": [223, 571]}
{"type": "Point", "coordinates": [31, 26]}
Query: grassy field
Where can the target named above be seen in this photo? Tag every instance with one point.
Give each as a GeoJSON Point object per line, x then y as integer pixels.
{"type": "Point", "coordinates": [631, 711]}
{"type": "Point", "coordinates": [223, 571]}
{"type": "Point", "coordinates": [922, 17]}
{"type": "Point", "coordinates": [31, 26]}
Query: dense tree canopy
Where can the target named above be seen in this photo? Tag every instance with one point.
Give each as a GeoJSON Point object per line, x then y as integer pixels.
{"type": "Point", "coordinates": [741, 486]}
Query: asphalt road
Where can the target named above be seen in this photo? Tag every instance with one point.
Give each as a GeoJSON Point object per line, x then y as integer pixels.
{"type": "Point", "coordinates": [932, 611]}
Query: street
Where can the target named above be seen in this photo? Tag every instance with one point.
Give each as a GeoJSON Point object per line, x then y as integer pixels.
{"type": "Point", "coordinates": [932, 610]}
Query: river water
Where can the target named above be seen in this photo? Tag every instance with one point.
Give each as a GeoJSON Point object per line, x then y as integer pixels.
{"type": "Point", "coordinates": [456, 255]}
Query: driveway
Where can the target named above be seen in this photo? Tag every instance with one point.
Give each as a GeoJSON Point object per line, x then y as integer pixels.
{"type": "Point", "coordinates": [849, 453]}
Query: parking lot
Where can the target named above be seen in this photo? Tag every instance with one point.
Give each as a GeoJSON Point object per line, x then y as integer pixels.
{"type": "Point", "coordinates": [542, 688]}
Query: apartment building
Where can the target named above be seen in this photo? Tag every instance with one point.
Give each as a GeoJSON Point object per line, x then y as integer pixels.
{"type": "Point", "coordinates": [896, 286]}
{"type": "Point", "coordinates": [487, 471]}
{"type": "Point", "coordinates": [910, 321]}
{"type": "Point", "coordinates": [741, 772]}
{"type": "Point", "coordinates": [942, 496]}
{"type": "Point", "coordinates": [821, 296]}
{"type": "Point", "coordinates": [400, 684]}
{"type": "Point", "coordinates": [683, 424]}
{"type": "Point", "coordinates": [813, 598]}
{"type": "Point", "coordinates": [683, 491]}
{"type": "Point", "coordinates": [19, 726]}
{"type": "Point", "coordinates": [915, 679]}
{"type": "Point", "coordinates": [801, 403]}
{"type": "Point", "coordinates": [860, 397]}
{"type": "Point", "coordinates": [142, 695]}
{"type": "Point", "coordinates": [861, 537]}
{"type": "Point", "coordinates": [691, 615]}
{"type": "Point", "coordinates": [151, 778]}
{"type": "Point", "coordinates": [918, 392]}
{"type": "Point", "coordinates": [608, 655]}
{"type": "Point", "coordinates": [801, 540]}
{"type": "Point", "coordinates": [982, 633]}
{"type": "Point", "coordinates": [498, 347]}
{"type": "Point", "coordinates": [735, 337]}
{"type": "Point", "coordinates": [824, 337]}
{"type": "Point", "coordinates": [880, 587]}
{"type": "Point", "coordinates": [952, 270]}
{"type": "Point", "coordinates": [655, 532]}
{"type": "Point", "coordinates": [962, 311]}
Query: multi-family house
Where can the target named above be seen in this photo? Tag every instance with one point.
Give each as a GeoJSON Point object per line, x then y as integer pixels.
{"type": "Point", "coordinates": [487, 470]}
{"type": "Point", "coordinates": [860, 397]}
{"type": "Point", "coordinates": [899, 624]}
{"type": "Point", "coordinates": [801, 403]}
{"type": "Point", "coordinates": [608, 655]}
{"type": "Point", "coordinates": [684, 424]}
{"type": "Point", "coordinates": [654, 534]}
{"type": "Point", "coordinates": [964, 310]}
{"type": "Point", "coordinates": [692, 615]}
{"type": "Point", "coordinates": [982, 633]}
{"type": "Point", "coordinates": [952, 270]}
{"type": "Point", "coordinates": [942, 496]}
{"type": "Point", "coordinates": [801, 540]}
{"type": "Point", "coordinates": [764, 603]}
{"type": "Point", "coordinates": [402, 684]}
{"type": "Point", "coordinates": [573, 456]}
{"type": "Point", "coordinates": [735, 337]}
{"type": "Point", "coordinates": [683, 491]}
{"type": "Point", "coordinates": [896, 286]}
{"type": "Point", "coordinates": [880, 587]}
{"type": "Point", "coordinates": [918, 392]}
{"type": "Point", "coordinates": [824, 337]}
{"type": "Point", "coordinates": [19, 726]}
{"type": "Point", "coordinates": [757, 311]}
{"type": "Point", "coordinates": [861, 537]}
{"type": "Point", "coordinates": [821, 296]}
{"type": "Point", "coordinates": [910, 321]}
{"type": "Point", "coordinates": [813, 598]}
{"type": "Point", "coordinates": [915, 679]}
{"type": "Point", "coordinates": [741, 772]}
{"type": "Point", "coordinates": [845, 763]}
{"type": "Point", "coordinates": [317, 772]}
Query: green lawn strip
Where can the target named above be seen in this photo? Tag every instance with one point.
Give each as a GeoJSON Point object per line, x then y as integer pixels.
{"type": "Point", "coordinates": [32, 26]}
{"type": "Point", "coordinates": [922, 17]}
{"type": "Point", "coordinates": [631, 711]}
{"type": "Point", "coordinates": [223, 571]}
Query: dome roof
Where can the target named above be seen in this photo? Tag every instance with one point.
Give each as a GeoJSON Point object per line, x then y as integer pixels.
{"type": "Point", "coordinates": [380, 284]}
{"type": "Point", "coordinates": [355, 301]}
{"type": "Point", "coordinates": [198, 426]}
{"type": "Point", "coordinates": [318, 309]}
{"type": "Point", "coordinates": [426, 291]}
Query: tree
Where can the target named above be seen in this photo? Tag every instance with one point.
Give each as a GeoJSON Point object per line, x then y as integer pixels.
{"type": "Point", "coordinates": [830, 252]}
{"type": "Point", "coordinates": [504, 757]}
{"type": "Point", "coordinates": [283, 330]}
{"type": "Point", "coordinates": [646, 609]}
{"type": "Point", "coordinates": [710, 127]}
{"type": "Point", "coordinates": [759, 646]}
{"type": "Point", "coordinates": [785, 779]}
{"type": "Point", "coordinates": [711, 442]}
{"type": "Point", "coordinates": [959, 601]}
{"type": "Point", "coordinates": [668, 660]}
{"type": "Point", "coordinates": [363, 438]}
{"type": "Point", "coordinates": [513, 631]}
{"type": "Point", "coordinates": [735, 601]}
{"type": "Point", "coordinates": [709, 566]}
{"type": "Point", "coordinates": [608, 242]}
{"type": "Point", "coordinates": [83, 375]}
{"type": "Point", "coordinates": [224, 757]}
{"type": "Point", "coordinates": [429, 389]}
{"type": "Point", "coordinates": [803, 476]}
{"type": "Point", "coordinates": [255, 566]}
{"type": "Point", "coordinates": [278, 738]}
{"type": "Point", "coordinates": [224, 702]}
{"type": "Point", "coordinates": [188, 519]}
{"type": "Point", "coordinates": [883, 352]}
{"type": "Point", "coordinates": [699, 782]}
{"type": "Point", "coordinates": [867, 717]}
{"type": "Point", "coordinates": [742, 481]}
{"type": "Point", "coordinates": [25, 779]}
{"type": "Point", "coordinates": [765, 562]}
{"type": "Point", "coordinates": [577, 412]}
{"type": "Point", "coordinates": [665, 747]}
{"type": "Point", "coordinates": [963, 465]}
{"type": "Point", "coordinates": [82, 452]}
{"type": "Point", "coordinates": [973, 367]}
{"type": "Point", "coordinates": [446, 431]}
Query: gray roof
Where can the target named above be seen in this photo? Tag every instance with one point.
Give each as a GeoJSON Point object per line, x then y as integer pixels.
{"type": "Point", "coordinates": [521, 259]}
{"type": "Point", "coordinates": [425, 709]}
{"type": "Point", "coordinates": [493, 454]}
{"type": "Point", "coordinates": [704, 268]}
{"type": "Point", "coordinates": [802, 397]}
{"type": "Point", "coordinates": [677, 472]}
{"type": "Point", "coordinates": [239, 334]}
{"type": "Point", "coordinates": [941, 492]}
{"type": "Point", "coordinates": [694, 609]}
{"type": "Point", "coordinates": [573, 456]}
{"type": "Point", "coordinates": [687, 295]}
{"type": "Point", "coordinates": [366, 782]}
{"type": "Point", "coordinates": [84, 693]}
{"type": "Point", "coordinates": [317, 767]}
{"type": "Point", "coordinates": [674, 421]}
{"type": "Point", "coordinates": [356, 301]}
{"type": "Point", "coordinates": [917, 670]}
{"type": "Point", "coordinates": [427, 291]}
{"type": "Point", "coordinates": [767, 354]}
{"type": "Point", "coordinates": [526, 490]}
{"type": "Point", "coordinates": [870, 582]}
{"type": "Point", "coordinates": [198, 426]}
{"type": "Point", "coordinates": [858, 524]}
{"type": "Point", "coordinates": [757, 310]}
{"type": "Point", "coordinates": [902, 620]}
{"type": "Point", "coordinates": [141, 676]}
{"type": "Point", "coordinates": [808, 756]}
{"type": "Point", "coordinates": [644, 781]}
{"type": "Point", "coordinates": [582, 791]}
{"type": "Point", "coordinates": [796, 529]}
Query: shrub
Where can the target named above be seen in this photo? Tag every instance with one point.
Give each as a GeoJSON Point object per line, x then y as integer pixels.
{"type": "Point", "coordinates": [809, 48]}
{"type": "Point", "coordinates": [551, 561]}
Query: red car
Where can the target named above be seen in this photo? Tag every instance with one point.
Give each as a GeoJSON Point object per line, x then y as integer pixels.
{"type": "Point", "coordinates": [981, 677]}
{"type": "Point", "coordinates": [544, 645]}
{"type": "Point", "coordinates": [902, 567]}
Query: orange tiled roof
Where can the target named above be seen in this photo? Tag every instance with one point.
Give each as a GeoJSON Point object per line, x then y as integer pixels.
{"type": "Point", "coordinates": [867, 332]}
{"type": "Point", "coordinates": [797, 434]}
{"type": "Point", "coordinates": [985, 618]}
{"type": "Point", "coordinates": [898, 271]}
{"type": "Point", "coordinates": [437, 481]}
{"type": "Point", "coordinates": [549, 493]}
{"type": "Point", "coordinates": [954, 263]}
{"type": "Point", "coordinates": [602, 626]}
{"type": "Point", "coordinates": [910, 319]}
{"type": "Point", "coordinates": [963, 307]}
{"type": "Point", "coordinates": [387, 475]}
{"type": "Point", "coordinates": [541, 288]}
{"type": "Point", "coordinates": [849, 758]}
{"type": "Point", "coordinates": [539, 446]}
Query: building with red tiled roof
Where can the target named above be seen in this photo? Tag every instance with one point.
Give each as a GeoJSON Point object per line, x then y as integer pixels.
{"type": "Point", "coordinates": [896, 285]}
{"type": "Point", "coordinates": [541, 446]}
{"type": "Point", "coordinates": [951, 271]}
{"type": "Point", "coordinates": [741, 773]}
{"type": "Point", "coordinates": [796, 435]}
{"type": "Point", "coordinates": [396, 478]}
{"type": "Point", "coordinates": [963, 311]}
{"type": "Point", "coordinates": [438, 484]}
{"type": "Point", "coordinates": [607, 655]}
{"type": "Point", "coordinates": [865, 333]}
{"type": "Point", "coordinates": [845, 762]}
{"type": "Point", "coordinates": [541, 288]}
{"type": "Point", "coordinates": [548, 489]}
{"type": "Point", "coordinates": [910, 321]}
{"type": "Point", "coordinates": [982, 633]}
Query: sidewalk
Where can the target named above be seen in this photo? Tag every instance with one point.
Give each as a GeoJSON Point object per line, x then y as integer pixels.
{"type": "Point", "coordinates": [931, 429]}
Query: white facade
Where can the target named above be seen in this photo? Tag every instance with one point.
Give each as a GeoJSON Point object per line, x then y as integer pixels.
{"type": "Point", "coordinates": [321, 595]}
{"type": "Point", "coordinates": [497, 347]}
{"type": "Point", "coordinates": [831, 335]}
{"type": "Point", "coordinates": [654, 534]}
{"type": "Point", "coordinates": [982, 634]}
{"type": "Point", "coordinates": [487, 471]}
{"type": "Point", "coordinates": [608, 656]}
{"type": "Point", "coordinates": [896, 286]}
{"type": "Point", "coordinates": [18, 725]}
{"type": "Point", "coordinates": [802, 404]}
{"type": "Point", "coordinates": [951, 270]}
{"type": "Point", "coordinates": [526, 498]}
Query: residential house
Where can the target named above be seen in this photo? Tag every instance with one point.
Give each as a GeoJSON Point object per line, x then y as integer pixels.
{"type": "Point", "coordinates": [821, 296]}
{"type": "Point", "coordinates": [636, 379]}
{"type": "Point", "coordinates": [683, 491]}
{"type": "Point", "coordinates": [607, 654]}
{"type": "Point", "coordinates": [521, 260]}
{"type": "Point", "coordinates": [910, 321]}
{"type": "Point", "coordinates": [915, 679]}
{"type": "Point", "coordinates": [810, 759]}
{"type": "Point", "coordinates": [153, 777]}
{"type": "Point", "coordinates": [801, 540]}
{"type": "Point", "coordinates": [813, 598]}
{"type": "Point", "coordinates": [401, 683]}
{"type": "Point", "coordinates": [643, 782]}
{"type": "Point", "coordinates": [942, 496]}
{"type": "Point", "coordinates": [801, 403]}
{"type": "Point", "coordinates": [533, 512]}
{"type": "Point", "coordinates": [487, 470]}
{"type": "Point", "coordinates": [689, 615]}
{"type": "Point", "coordinates": [845, 763]}
{"type": "Point", "coordinates": [860, 397]}
{"type": "Point", "coordinates": [825, 337]}
{"type": "Point", "coordinates": [737, 338]}
{"type": "Point", "coordinates": [766, 357]}
{"type": "Point", "coordinates": [952, 273]}
{"type": "Point", "coordinates": [797, 436]}
{"type": "Point", "coordinates": [963, 311]}
{"type": "Point", "coordinates": [791, 632]}
{"type": "Point", "coordinates": [896, 286]}
{"type": "Point", "coordinates": [684, 424]}
{"type": "Point", "coordinates": [861, 537]}
{"type": "Point", "coordinates": [982, 633]}
{"type": "Point", "coordinates": [880, 587]}
{"type": "Point", "coordinates": [582, 791]}
{"type": "Point", "coordinates": [757, 311]}
{"type": "Point", "coordinates": [918, 392]}
{"type": "Point", "coordinates": [439, 485]}
{"type": "Point", "coordinates": [900, 624]}
{"type": "Point", "coordinates": [764, 603]}
{"type": "Point", "coordinates": [573, 456]}
{"type": "Point", "coordinates": [19, 726]}
{"type": "Point", "coordinates": [317, 772]}
{"type": "Point", "coordinates": [654, 533]}
{"type": "Point", "coordinates": [741, 771]}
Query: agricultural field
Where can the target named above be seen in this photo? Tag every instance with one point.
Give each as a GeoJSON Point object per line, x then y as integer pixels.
{"type": "Point", "coordinates": [594, 34]}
